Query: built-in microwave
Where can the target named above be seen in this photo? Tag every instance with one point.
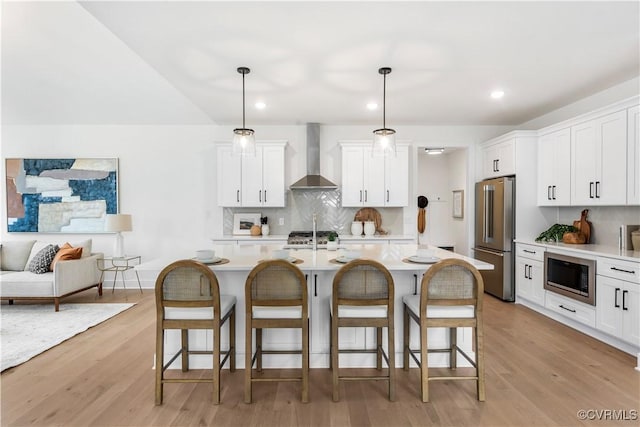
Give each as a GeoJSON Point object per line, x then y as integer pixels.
{"type": "Point", "coordinates": [570, 276]}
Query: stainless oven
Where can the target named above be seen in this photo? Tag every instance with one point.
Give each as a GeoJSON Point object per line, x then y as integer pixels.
{"type": "Point", "coordinates": [570, 276]}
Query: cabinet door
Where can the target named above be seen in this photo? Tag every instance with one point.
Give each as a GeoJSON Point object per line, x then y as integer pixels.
{"type": "Point", "coordinates": [252, 179]}
{"type": "Point", "coordinates": [352, 176]}
{"type": "Point", "coordinates": [608, 305]}
{"type": "Point", "coordinates": [523, 284]}
{"type": "Point", "coordinates": [374, 188]}
{"type": "Point", "coordinates": [273, 190]}
{"type": "Point", "coordinates": [506, 164]}
{"type": "Point", "coordinates": [536, 277]}
{"type": "Point", "coordinates": [584, 163]}
{"type": "Point", "coordinates": [554, 178]}
{"type": "Point", "coordinates": [489, 161]}
{"type": "Point", "coordinates": [611, 182]}
{"type": "Point", "coordinates": [630, 307]}
{"type": "Point", "coordinates": [633, 156]}
{"type": "Point", "coordinates": [229, 177]}
{"type": "Point", "coordinates": [396, 177]}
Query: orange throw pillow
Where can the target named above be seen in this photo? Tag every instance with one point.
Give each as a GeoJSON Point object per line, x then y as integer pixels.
{"type": "Point", "coordinates": [66, 252]}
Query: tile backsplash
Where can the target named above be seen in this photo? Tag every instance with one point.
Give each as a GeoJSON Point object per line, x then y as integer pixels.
{"type": "Point", "coordinates": [606, 221]}
{"type": "Point", "coordinates": [301, 205]}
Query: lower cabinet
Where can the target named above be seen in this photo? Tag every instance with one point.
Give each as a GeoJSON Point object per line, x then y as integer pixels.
{"type": "Point", "coordinates": [574, 310]}
{"type": "Point", "coordinates": [618, 299]}
{"type": "Point", "coordinates": [529, 273]}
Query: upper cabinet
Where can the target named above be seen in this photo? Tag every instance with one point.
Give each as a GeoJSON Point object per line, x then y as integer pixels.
{"type": "Point", "coordinates": [633, 156]}
{"type": "Point", "coordinates": [369, 180]}
{"type": "Point", "coordinates": [598, 171]}
{"type": "Point", "coordinates": [554, 166]}
{"type": "Point", "coordinates": [252, 181]}
{"type": "Point", "coordinates": [499, 158]}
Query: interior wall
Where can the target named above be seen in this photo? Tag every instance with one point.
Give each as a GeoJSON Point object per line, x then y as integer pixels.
{"type": "Point", "coordinates": [458, 167]}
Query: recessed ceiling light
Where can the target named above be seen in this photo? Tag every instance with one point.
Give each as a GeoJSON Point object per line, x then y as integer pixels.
{"type": "Point", "coordinates": [372, 106]}
{"type": "Point", "coordinates": [260, 105]}
{"type": "Point", "coordinates": [497, 94]}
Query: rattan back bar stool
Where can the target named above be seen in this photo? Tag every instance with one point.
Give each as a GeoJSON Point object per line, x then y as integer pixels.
{"type": "Point", "coordinates": [188, 297]}
{"type": "Point", "coordinates": [275, 297]}
{"type": "Point", "coordinates": [363, 293]}
{"type": "Point", "coordinates": [450, 297]}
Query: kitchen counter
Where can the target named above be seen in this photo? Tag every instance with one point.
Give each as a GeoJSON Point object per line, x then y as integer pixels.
{"type": "Point", "coordinates": [319, 271]}
{"type": "Point", "coordinates": [590, 249]}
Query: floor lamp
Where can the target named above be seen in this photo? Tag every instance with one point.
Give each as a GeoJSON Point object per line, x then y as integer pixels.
{"type": "Point", "coordinates": [117, 224]}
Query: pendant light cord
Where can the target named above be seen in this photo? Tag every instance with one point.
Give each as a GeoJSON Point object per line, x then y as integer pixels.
{"type": "Point", "coordinates": [384, 101]}
{"type": "Point", "coordinates": [243, 126]}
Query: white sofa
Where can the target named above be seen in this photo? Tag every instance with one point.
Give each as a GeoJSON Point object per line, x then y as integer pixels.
{"type": "Point", "coordinates": [68, 277]}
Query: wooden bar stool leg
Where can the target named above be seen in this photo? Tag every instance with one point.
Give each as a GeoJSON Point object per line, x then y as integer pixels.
{"type": "Point", "coordinates": [335, 359]}
{"type": "Point", "coordinates": [453, 353]}
{"type": "Point", "coordinates": [159, 362]}
{"type": "Point", "coordinates": [424, 360]}
{"type": "Point", "coordinates": [480, 359]}
{"type": "Point", "coordinates": [216, 365]}
{"type": "Point", "coordinates": [379, 348]}
{"type": "Point", "coordinates": [232, 340]}
{"type": "Point", "coordinates": [259, 349]}
{"type": "Point", "coordinates": [247, 360]}
{"type": "Point", "coordinates": [305, 361]}
{"type": "Point", "coordinates": [392, 361]}
{"type": "Point", "coordinates": [406, 339]}
{"type": "Point", "coordinates": [185, 349]}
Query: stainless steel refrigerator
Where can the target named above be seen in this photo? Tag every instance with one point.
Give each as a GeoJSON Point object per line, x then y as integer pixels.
{"type": "Point", "coordinates": [495, 230]}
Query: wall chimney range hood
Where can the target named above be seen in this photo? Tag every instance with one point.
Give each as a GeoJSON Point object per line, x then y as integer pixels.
{"type": "Point", "coordinates": [313, 180]}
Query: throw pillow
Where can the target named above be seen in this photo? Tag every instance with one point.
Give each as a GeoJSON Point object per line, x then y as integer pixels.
{"type": "Point", "coordinates": [15, 254]}
{"type": "Point", "coordinates": [85, 245]}
{"type": "Point", "coordinates": [41, 262]}
{"type": "Point", "coordinates": [66, 252]}
{"type": "Point", "coordinates": [35, 249]}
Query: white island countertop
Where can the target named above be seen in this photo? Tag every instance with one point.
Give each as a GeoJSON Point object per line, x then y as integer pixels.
{"type": "Point", "coordinates": [245, 257]}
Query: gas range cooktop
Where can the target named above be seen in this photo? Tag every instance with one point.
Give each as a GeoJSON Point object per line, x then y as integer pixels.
{"type": "Point", "coordinates": [306, 237]}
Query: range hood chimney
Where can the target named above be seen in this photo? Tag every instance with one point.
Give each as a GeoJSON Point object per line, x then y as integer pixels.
{"type": "Point", "coordinates": [313, 180]}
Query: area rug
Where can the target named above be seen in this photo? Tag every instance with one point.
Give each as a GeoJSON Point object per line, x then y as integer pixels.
{"type": "Point", "coordinates": [28, 330]}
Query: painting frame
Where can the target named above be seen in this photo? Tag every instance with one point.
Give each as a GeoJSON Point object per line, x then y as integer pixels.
{"type": "Point", "coordinates": [458, 204]}
{"type": "Point", "coordinates": [243, 221]}
{"type": "Point", "coordinates": [60, 194]}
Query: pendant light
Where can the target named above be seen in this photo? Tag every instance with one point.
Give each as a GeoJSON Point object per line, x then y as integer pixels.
{"type": "Point", "coordinates": [384, 139]}
{"type": "Point", "coordinates": [244, 141]}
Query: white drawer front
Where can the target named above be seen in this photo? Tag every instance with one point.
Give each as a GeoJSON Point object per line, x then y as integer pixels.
{"type": "Point", "coordinates": [572, 309]}
{"type": "Point", "coordinates": [619, 269]}
{"type": "Point", "coordinates": [530, 251]}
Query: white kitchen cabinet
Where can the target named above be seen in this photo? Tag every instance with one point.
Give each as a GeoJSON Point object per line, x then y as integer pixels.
{"type": "Point", "coordinates": [252, 181]}
{"type": "Point", "coordinates": [369, 180]}
{"type": "Point", "coordinates": [633, 156]}
{"type": "Point", "coordinates": [499, 158]}
{"type": "Point", "coordinates": [598, 173]}
{"type": "Point", "coordinates": [554, 162]}
{"type": "Point", "coordinates": [618, 299]}
{"type": "Point", "coordinates": [530, 273]}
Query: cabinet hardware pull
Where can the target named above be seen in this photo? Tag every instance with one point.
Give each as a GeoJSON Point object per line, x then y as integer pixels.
{"type": "Point", "coordinates": [260, 196]}
{"type": "Point", "coordinates": [623, 270]}
{"type": "Point", "coordinates": [315, 285]}
{"type": "Point", "coordinates": [238, 196]}
{"type": "Point", "coordinates": [528, 251]}
{"type": "Point", "coordinates": [554, 192]}
{"type": "Point", "coordinates": [624, 300]}
{"type": "Point", "coordinates": [415, 284]}
{"type": "Point", "coordinates": [497, 165]}
{"type": "Point", "coordinates": [565, 308]}
{"type": "Point", "coordinates": [525, 271]}
{"type": "Point", "coordinates": [597, 189]}
{"type": "Point", "coordinates": [530, 267]}
{"type": "Point", "coordinates": [548, 192]}
{"type": "Point", "coordinates": [265, 196]}
{"type": "Point", "coordinates": [591, 190]}
{"type": "Point", "coordinates": [366, 196]}
{"type": "Point", "coordinates": [387, 196]}
{"type": "Point", "coordinates": [360, 196]}
{"type": "Point", "coordinates": [615, 302]}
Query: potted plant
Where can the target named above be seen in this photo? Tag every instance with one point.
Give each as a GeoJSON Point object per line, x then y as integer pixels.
{"type": "Point", "coordinates": [332, 241]}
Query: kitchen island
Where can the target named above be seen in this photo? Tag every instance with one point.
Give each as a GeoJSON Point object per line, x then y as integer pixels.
{"type": "Point", "coordinates": [319, 268]}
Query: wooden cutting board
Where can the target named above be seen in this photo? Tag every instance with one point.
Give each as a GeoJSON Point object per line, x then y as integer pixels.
{"type": "Point", "coordinates": [583, 225]}
{"type": "Point", "coordinates": [370, 214]}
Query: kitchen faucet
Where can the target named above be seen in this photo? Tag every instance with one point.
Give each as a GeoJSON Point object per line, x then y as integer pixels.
{"type": "Point", "coordinates": [315, 229]}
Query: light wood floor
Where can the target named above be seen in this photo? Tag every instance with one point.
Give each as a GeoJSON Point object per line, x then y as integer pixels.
{"type": "Point", "coordinates": [538, 373]}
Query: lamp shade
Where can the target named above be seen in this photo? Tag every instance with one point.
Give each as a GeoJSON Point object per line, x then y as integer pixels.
{"type": "Point", "coordinates": [117, 223]}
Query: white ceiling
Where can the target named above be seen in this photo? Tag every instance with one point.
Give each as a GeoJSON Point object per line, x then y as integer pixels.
{"type": "Point", "coordinates": [154, 62]}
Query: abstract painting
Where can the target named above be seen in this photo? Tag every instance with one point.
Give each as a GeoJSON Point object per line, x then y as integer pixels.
{"type": "Point", "coordinates": [60, 195]}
